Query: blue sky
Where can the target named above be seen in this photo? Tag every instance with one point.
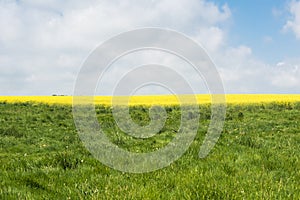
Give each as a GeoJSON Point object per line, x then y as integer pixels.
{"type": "Point", "coordinates": [259, 24]}
{"type": "Point", "coordinates": [254, 44]}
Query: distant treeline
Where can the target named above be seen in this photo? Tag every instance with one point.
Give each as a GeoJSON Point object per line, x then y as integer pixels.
{"type": "Point", "coordinates": [59, 95]}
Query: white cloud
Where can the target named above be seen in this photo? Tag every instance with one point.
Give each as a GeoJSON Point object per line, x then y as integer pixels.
{"type": "Point", "coordinates": [279, 64]}
{"type": "Point", "coordinates": [287, 77]}
{"type": "Point", "coordinates": [212, 38]}
{"type": "Point", "coordinates": [294, 23]}
{"type": "Point", "coordinates": [9, 23]}
{"type": "Point", "coordinates": [44, 43]}
{"type": "Point", "coordinates": [243, 73]}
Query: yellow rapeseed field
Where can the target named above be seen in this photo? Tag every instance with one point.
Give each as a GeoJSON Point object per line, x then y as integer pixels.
{"type": "Point", "coordinates": [158, 99]}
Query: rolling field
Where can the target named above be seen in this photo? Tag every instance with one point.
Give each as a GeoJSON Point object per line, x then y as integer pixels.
{"type": "Point", "coordinates": [256, 157]}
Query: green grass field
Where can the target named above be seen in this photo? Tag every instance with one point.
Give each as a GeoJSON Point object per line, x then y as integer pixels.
{"type": "Point", "coordinates": [256, 157]}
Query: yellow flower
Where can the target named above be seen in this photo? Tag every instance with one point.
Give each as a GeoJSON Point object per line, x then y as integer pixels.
{"type": "Point", "coordinates": [158, 99]}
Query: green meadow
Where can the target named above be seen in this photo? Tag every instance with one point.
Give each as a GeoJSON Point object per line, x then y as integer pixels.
{"type": "Point", "coordinates": [256, 157]}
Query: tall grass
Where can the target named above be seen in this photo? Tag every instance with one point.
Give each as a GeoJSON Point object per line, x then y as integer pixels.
{"type": "Point", "coordinates": [256, 157]}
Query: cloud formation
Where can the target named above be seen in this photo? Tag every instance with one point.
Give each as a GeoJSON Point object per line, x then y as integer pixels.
{"type": "Point", "coordinates": [44, 43]}
{"type": "Point", "coordinates": [294, 23]}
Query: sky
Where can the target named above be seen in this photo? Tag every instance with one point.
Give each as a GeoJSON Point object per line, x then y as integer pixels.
{"type": "Point", "coordinates": [255, 44]}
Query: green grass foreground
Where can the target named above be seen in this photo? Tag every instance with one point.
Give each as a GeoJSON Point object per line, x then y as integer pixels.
{"type": "Point", "coordinates": [256, 157]}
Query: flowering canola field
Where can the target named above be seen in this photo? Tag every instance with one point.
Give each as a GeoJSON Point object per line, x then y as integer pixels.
{"type": "Point", "coordinates": [159, 99]}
